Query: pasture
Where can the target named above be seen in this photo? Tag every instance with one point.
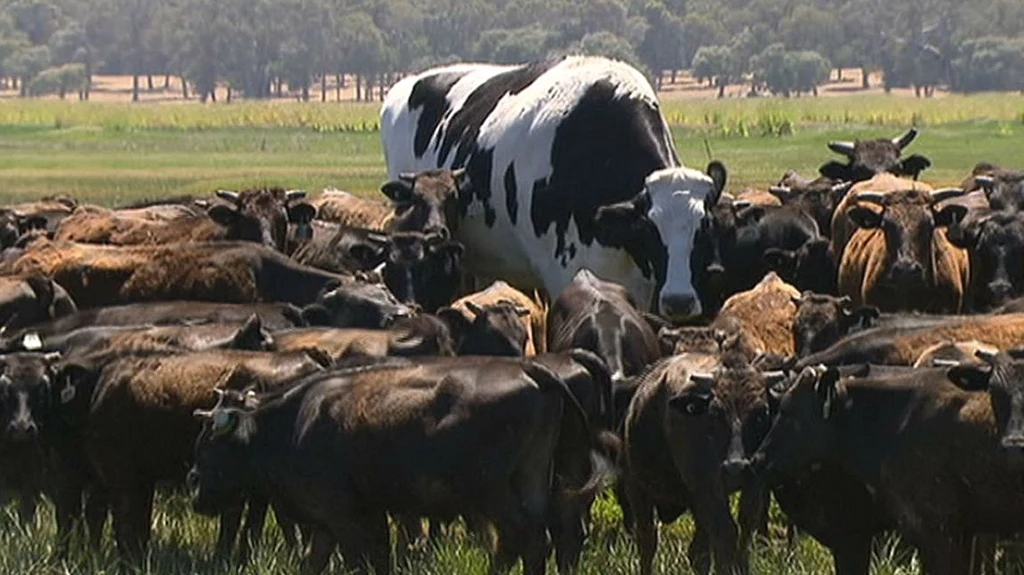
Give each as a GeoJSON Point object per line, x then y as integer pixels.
{"type": "Point", "coordinates": [111, 153]}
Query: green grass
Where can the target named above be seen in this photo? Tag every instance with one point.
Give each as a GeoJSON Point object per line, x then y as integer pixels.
{"type": "Point", "coordinates": [111, 153]}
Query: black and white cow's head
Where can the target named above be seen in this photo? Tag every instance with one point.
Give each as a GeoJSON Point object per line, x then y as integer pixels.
{"type": "Point", "coordinates": [657, 229]}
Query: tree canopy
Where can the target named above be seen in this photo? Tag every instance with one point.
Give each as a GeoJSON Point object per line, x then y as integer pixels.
{"type": "Point", "coordinates": [259, 48]}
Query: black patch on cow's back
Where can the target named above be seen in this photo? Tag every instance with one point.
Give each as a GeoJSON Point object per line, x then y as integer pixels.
{"type": "Point", "coordinates": [601, 154]}
{"type": "Point", "coordinates": [464, 126]}
{"type": "Point", "coordinates": [511, 193]}
{"type": "Point", "coordinates": [431, 94]}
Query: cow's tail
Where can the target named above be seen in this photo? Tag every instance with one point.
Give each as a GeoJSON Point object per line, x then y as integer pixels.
{"type": "Point", "coordinates": [599, 442]}
{"type": "Point", "coordinates": [601, 374]}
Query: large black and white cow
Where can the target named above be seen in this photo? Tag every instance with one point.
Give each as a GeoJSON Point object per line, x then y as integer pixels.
{"type": "Point", "coordinates": [571, 164]}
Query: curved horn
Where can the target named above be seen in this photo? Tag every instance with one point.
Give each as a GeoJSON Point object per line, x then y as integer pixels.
{"type": "Point", "coordinates": [228, 195]}
{"type": "Point", "coordinates": [202, 413]}
{"type": "Point", "coordinates": [291, 195]}
{"type": "Point", "coordinates": [945, 194]}
{"type": "Point", "coordinates": [473, 307]}
{"type": "Point", "coordinates": [702, 377]}
{"type": "Point", "coordinates": [986, 355]}
{"type": "Point", "coordinates": [904, 140]}
{"type": "Point", "coordinates": [940, 362]}
{"type": "Point", "coordinates": [877, 198]}
{"type": "Point", "coordinates": [407, 176]}
{"type": "Point", "coordinates": [841, 147]}
{"type": "Point", "coordinates": [776, 190]}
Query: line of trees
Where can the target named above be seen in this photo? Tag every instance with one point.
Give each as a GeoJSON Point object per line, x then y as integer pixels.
{"type": "Point", "coordinates": [263, 48]}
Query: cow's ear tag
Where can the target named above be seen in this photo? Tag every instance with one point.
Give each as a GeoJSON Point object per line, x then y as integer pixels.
{"type": "Point", "coordinates": [32, 342]}
{"type": "Point", "coordinates": [67, 393]}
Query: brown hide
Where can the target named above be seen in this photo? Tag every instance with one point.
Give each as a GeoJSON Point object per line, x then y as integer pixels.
{"type": "Point", "coordinates": [353, 211]}
{"type": "Point", "coordinates": [535, 323]}
{"type": "Point", "coordinates": [843, 228]}
{"type": "Point", "coordinates": [765, 313]}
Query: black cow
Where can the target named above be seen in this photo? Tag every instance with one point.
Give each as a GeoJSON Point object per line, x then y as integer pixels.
{"type": "Point", "coordinates": [25, 383]}
{"type": "Point", "coordinates": [342, 450]}
{"type": "Point", "coordinates": [423, 269]}
{"type": "Point", "coordinates": [995, 244]}
{"type": "Point", "coordinates": [866, 158]}
{"type": "Point", "coordinates": [817, 198]}
{"type": "Point", "coordinates": [264, 214]}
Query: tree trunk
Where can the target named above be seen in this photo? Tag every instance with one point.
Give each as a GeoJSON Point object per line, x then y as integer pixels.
{"type": "Point", "coordinates": [305, 93]}
{"type": "Point", "coordinates": [149, 82]}
{"type": "Point", "coordinates": [184, 88]}
{"type": "Point", "coordinates": [167, 81]}
{"type": "Point", "coordinates": [815, 91]}
{"type": "Point", "coordinates": [323, 87]}
{"type": "Point", "coordinates": [839, 74]}
{"type": "Point", "coordinates": [674, 73]}
{"type": "Point", "coordinates": [135, 86]}
{"type": "Point", "coordinates": [337, 87]}
{"type": "Point", "coordinates": [213, 94]}
{"type": "Point", "coordinates": [227, 100]}
{"type": "Point", "coordinates": [62, 90]}
{"type": "Point", "coordinates": [22, 89]}
{"type": "Point", "coordinates": [359, 88]}
{"type": "Point", "coordinates": [721, 90]}
{"type": "Point", "coordinates": [865, 81]}
{"type": "Point", "coordinates": [917, 91]}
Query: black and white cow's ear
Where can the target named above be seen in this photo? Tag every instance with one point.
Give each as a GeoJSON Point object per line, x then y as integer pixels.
{"type": "Point", "coordinates": [719, 176]}
{"type": "Point", "coordinates": [398, 191]}
{"type": "Point", "coordinates": [615, 223]}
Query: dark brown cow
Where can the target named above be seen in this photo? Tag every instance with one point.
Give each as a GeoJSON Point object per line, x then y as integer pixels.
{"type": "Point", "coordinates": [499, 320]}
{"type": "Point", "coordinates": [25, 383]}
{"type": "Point", "coordinates": [131, 418]}
{"type": "Point", "coordinates": [427, 201]}
{"type": "Point", "coordinates": [995, 242]}
{"type": "Point", "coordinates": [366, 442]}
{"type": "Point", "coordinates": [1003, 188]}
{"type": "Point", "coordinates": [239, 272]}
{"type": "Point", "coordinates": [686, 435]}
{"type": "Point", "coordinates": [900, 258]}
{"type": "Point", "coordinates": [30, 298]}
{"type": "Point", "coordinates": [939, 497]}
{"type": "Point", "coordinates": [341, 249]}
{"type": "Point", "coordinates": [423, 269]}
{"type": "Point", "coordinates": [867, 158]}
{"type": "Point", "coordinates": [821, 320]}
{"type": "Point", "coordinates": [46, 213]}
{"type": "Point", "coordinates": [817, 198]}
{"type": "Point", "coordinates": [256, 215]}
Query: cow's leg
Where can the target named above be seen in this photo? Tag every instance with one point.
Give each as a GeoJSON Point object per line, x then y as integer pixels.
{"type": "Point", "coordinates": [409, 534]}
{"type": "Point", "coordinates": [852, 556]}
{"type": "Point", "coordinates": [623, 500]}
{"type": "Point", "coordinates": [983, 555]}
{"type": "Point", "coordinates": [133, 510]}
{"type": "Point", "coordinates": [288, 527]}
{"type": "Point", "coordinates": [711, 512]}
{"type": "Point", "coordinates": [753, 514]}
{"type": "Point", "coordinates": [321, 546]}
{"type": "Point", "coordinates": [645, 531]}
{"type": "Point", "coordinates": [365, 542]}
{"type": "Point", "coordinates": [255, 519]}
{"type": "Point", "coordinates": [28, 500]}
{"type": "Point", "coordinates": [567, 524]}
{"type": "Point", "coordinates": [227, 533]}
{"type": "Point", "coordinates": [68, 510]}
{"type": "Point", "coordinates": [942, 553]}
{"type": "Point", "coordinates": [699, 551]}
{"type": "Point", "coordinates": [97, 506]}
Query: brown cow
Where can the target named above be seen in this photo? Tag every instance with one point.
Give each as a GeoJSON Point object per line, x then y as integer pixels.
{"type": "Point", "coordinates": [256, 215]}
{"type": "Point", "coordinates": [900, 258]}
{"type": "Point", "coordinates": [152, 397]}
{"type": "Point", "coordinates": [685, 434]}
{"type": "Point", "coordinates": [30, 298]}
{"type": "Point", "coordinates": [765, 314]}
{"type": "Point", "coordinates": [951, 353]}
{"type": "Point", "coordinates": [499, 320]}
{"type": "Point", "coordinates": [422, 335]}
{"type": "Point", "coordinates": [239, 272]}
{"type": "Point", "coordinates": [843, 227]}
{"type": "Point", "coordinates": [349, 210]}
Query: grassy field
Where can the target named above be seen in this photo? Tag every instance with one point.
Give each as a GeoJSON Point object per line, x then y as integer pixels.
{"type": "Point", "coordinates": [110, 153]}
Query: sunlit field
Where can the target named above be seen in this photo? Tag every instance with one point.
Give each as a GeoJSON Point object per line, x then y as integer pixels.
{"type": "Point", "coordinates": [111, 153]}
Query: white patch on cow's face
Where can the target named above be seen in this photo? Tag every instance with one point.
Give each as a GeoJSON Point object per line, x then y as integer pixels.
{"type": "Point", "coordinates": [677, 207]}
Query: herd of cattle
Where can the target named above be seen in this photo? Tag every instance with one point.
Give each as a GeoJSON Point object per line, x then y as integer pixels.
{"type": "Point", "coordinates": [851, 344]}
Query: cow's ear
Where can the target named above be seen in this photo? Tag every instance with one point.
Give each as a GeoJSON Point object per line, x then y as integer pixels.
{"type": "Point", "coordinates": [914, 164]}
{"type": "Point", "coordinates": [316, 314]}
{"type": "Point", "coordinates": [368, 255]}
{"type": "Point", "coordinates": [692, 401]}
{"type": "Point", "coordinates": [781, 261]}
{"type": "Point", "coordinates": [835, 170]}
{"type": "Point", "coordinates": [950, 215]}
{"type": "Point", "coordinates": [456, 321]}
{"type": "Point", "coordinates": [865, 217]}
{"type": "Point", "coordinates": [719, 176]}
{"type": "Point", "coordinates": [223, 214]}
{"type": "Point", "coordinates": [398, 191]}
{"type": "Point", "coordinates": [750, 215]}
{"type": "Point", "coordinates": [831, 391]}
{"type": "Point", "coordinates": [616, 223]}
{"type": "Point", "coordinates": [970, 376]}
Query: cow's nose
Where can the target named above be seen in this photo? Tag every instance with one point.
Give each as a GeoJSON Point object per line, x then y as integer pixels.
{"type": "Point", "coordinates": [735, 467]}
{"type": "Point", "coordinates": [438, 230]}
{"type": "Point", "coordinates": [715, 269]}
{"type": "Point", "coordinates": [21, 430]}
{"type": "Point", "coordinates": [680, 305]}
{"type": "Point", "coordinates": [1001, 289]}
{"type": "Point", "coordinates": [192, 479]}
{"type": "Point", "coordinates": [907, 270]}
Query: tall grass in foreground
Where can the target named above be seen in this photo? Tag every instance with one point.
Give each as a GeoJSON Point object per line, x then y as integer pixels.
{"type": "Point", "coordinates": [182, 544]}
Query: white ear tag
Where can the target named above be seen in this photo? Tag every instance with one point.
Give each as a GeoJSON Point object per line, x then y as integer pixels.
{"type": "Point", "coordinates": [67, 393]}
{"type": "Point", "coordinates": [31, 341]}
